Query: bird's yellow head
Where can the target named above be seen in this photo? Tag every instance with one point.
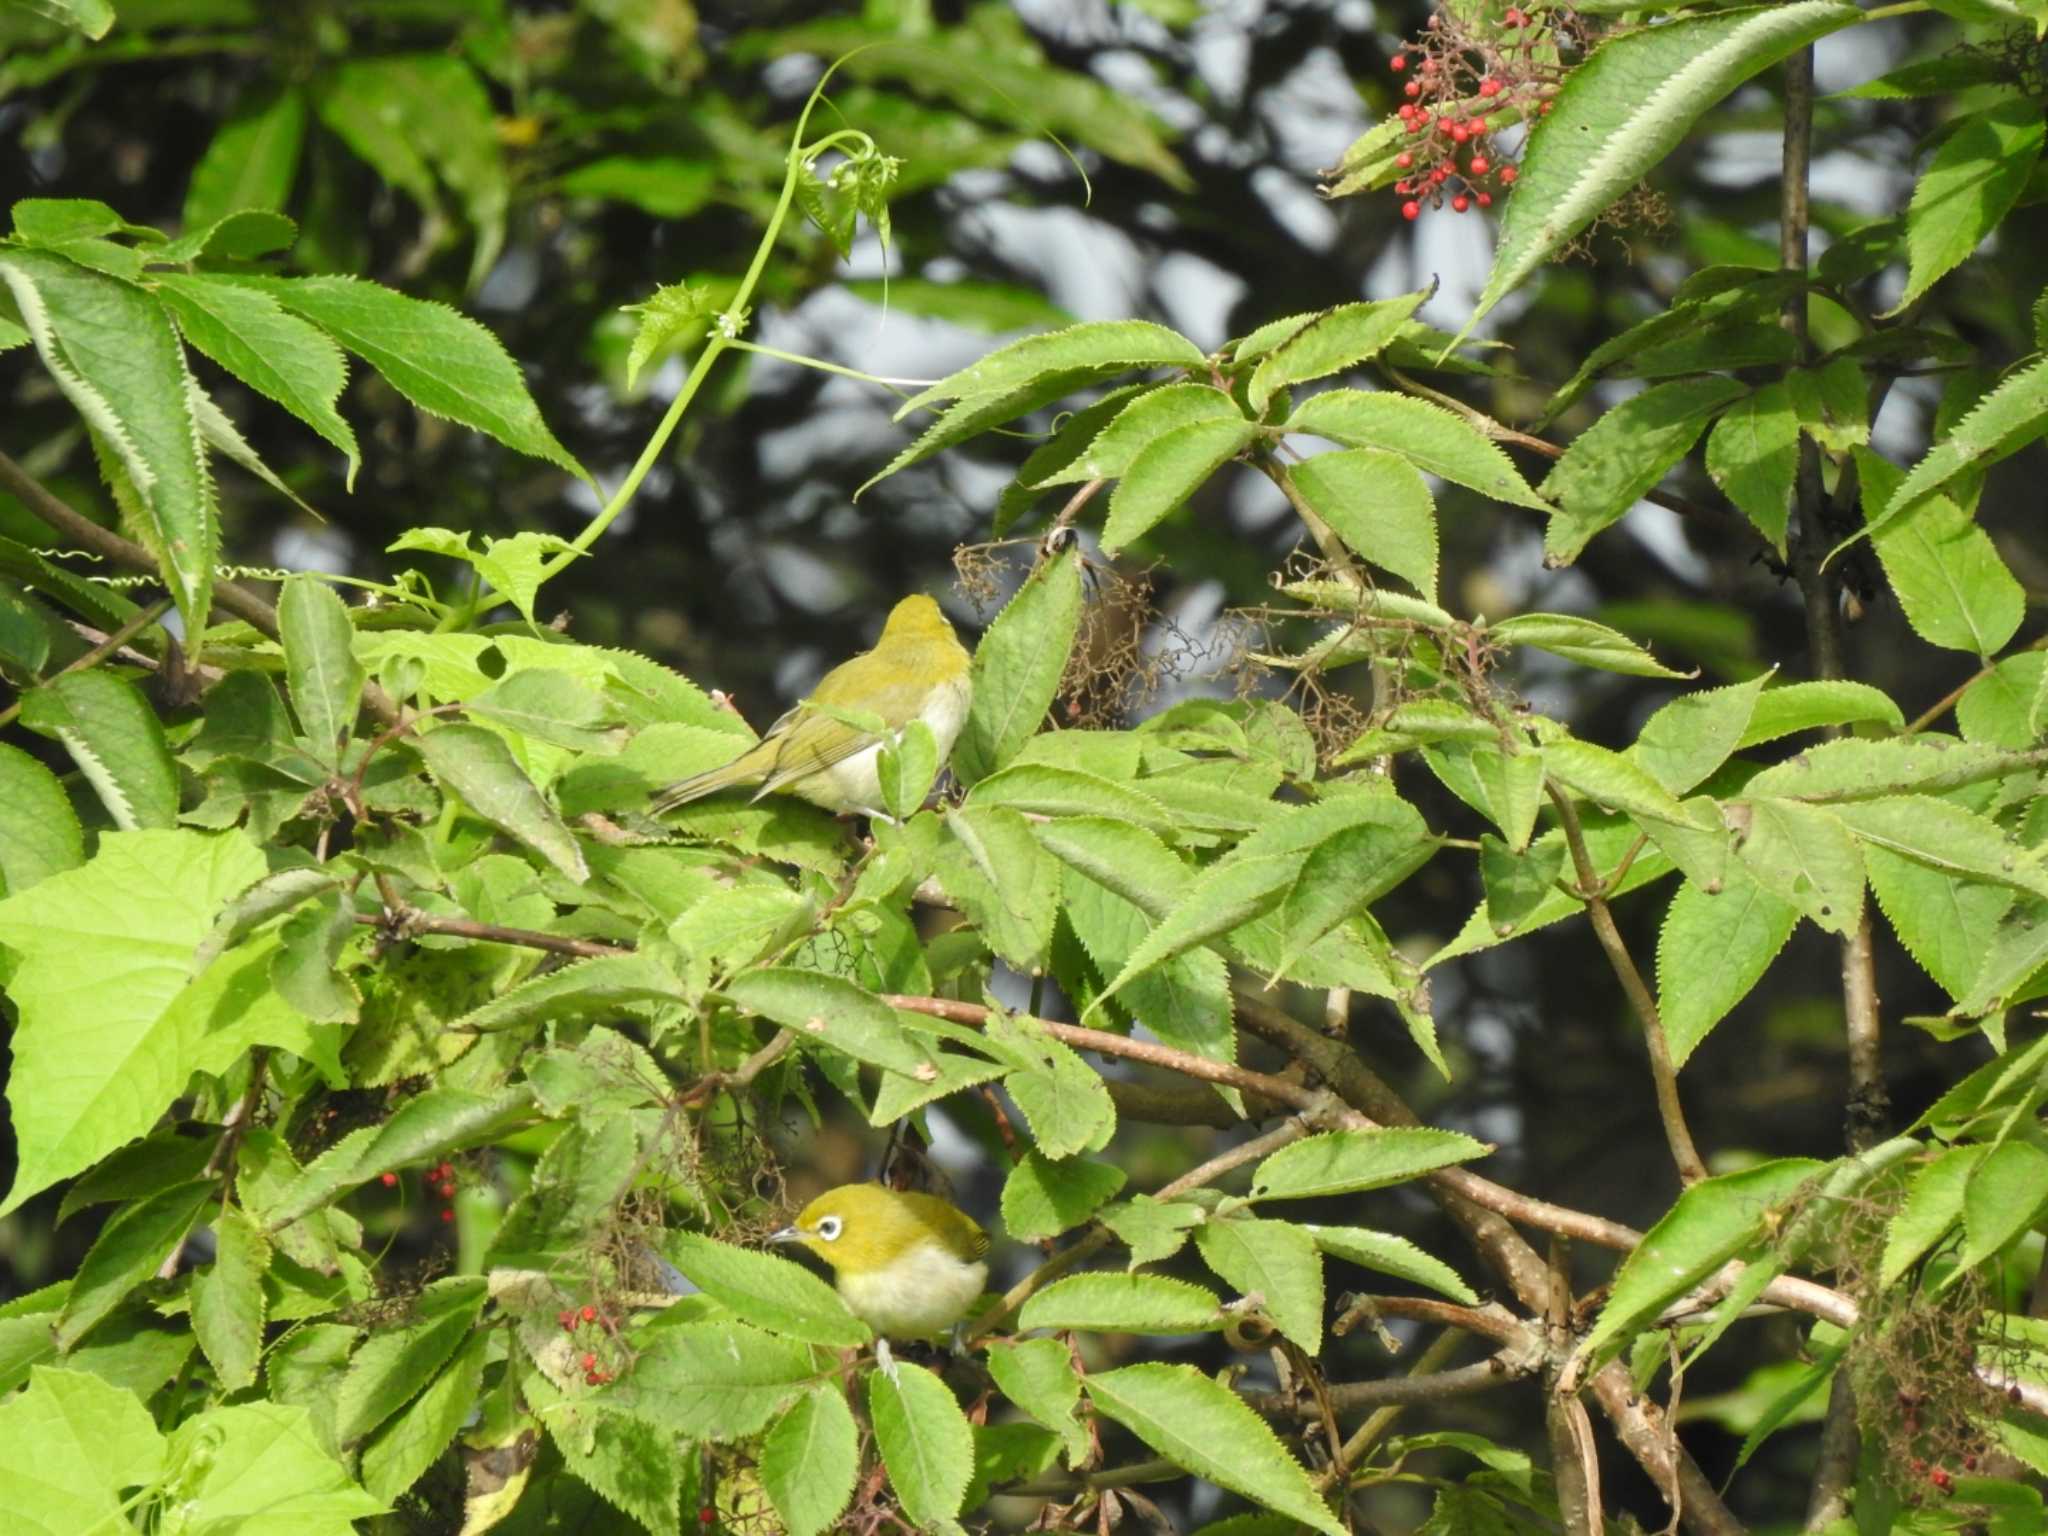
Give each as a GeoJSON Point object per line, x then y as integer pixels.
{"type": "Point", "coordinates": [917, 617]}
{"type": "Point", "coordinates": [864, 1229]}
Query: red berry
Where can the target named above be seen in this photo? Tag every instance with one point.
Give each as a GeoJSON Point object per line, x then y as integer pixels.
{"type": "Point", "coordinates": [1940, 1478]}
{"type": "Point", "coordinates": [1479, 125]}
{"type": "Point", "coordinates": [1404, 159]}
{"type": "Point", "coordinates": [1417, 123]}
{"type": "Point", "coordinates": [1544, 109]}
{"type": "Point", "coordinates": [1411, 210]}
{"type": "Point", "coordinates": [389, 1180]}
{"type": "Point", "coordinates": [1398, 62]}
{"type": "Point", "coordinates": [1461, 202]}
{"type": "Point", "coordinates": [707, 1516]}
{"type": "Point", "coordinates": [589, 1313]}
{"type": "Point", "coordinates": [1439, 175]}
{"type": "Point", "coordinates": [1507, 175]}
{"type": "Point", "coordinates": [566, 1318]}
{"type": "Point", "coordinates": [1429, 66]}
{"type": "Point", "coordinates": [1485, 199]}
{"type": "Point", "coordinates": [1479, 165]}
{"type": "Point", "coordinates": [1460, 133]}
{"type": "Point", "coordinates": [1412, 88]}
{"type": "Point", "coordinates": [1489, 87]}
{"type": "Point", "coordinates": [1514, 17]}
{"type": "Point", "coordinates": [1970, 1463]}
{"type": "Point", "coordinates": [589, 1362]}
{"type": "Point", "coordinates": [446, 1214]}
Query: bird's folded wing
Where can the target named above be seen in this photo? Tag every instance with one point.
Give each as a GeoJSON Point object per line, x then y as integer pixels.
{"type": "Point", "coordinates": [810, 741]}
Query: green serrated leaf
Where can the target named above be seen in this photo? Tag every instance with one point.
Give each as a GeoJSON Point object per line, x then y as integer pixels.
{"type": "Point", "coordinates": [767, 1291]}
{"type": "Point", "coordinates": [1166, 472]}
{"type": "Point", "coordinates": [1276, 1261]}
{"type": "Point", "coordinates": [1330, 342]}
{"type": "Point", "coordinates": [1967, 189]}
{"type": "Point", "coordinates": [1712, 949]}
{"type": "Point", "coordinates": [1113, 1303]}
{"type": "Point", "coordinates": [477, 765]}
{"type": "Point", "coordinates": [1582, 640]}
{"type": "Point", "coordinates": [1608, 467]}
{"type": "Point", "coordinates": [925, 1442]}
{"type": "Point", "coordinates": [1346, 1162]}
{"type": "Point", "coordinates": [1043, 1198]}
{"type": "Point", "coordinates": [442, 361]}
{"type": "Point", "coordinates": [1206, 1429]}
{"type": "Point", "coordinates": [1628, 106]}
{"type": "Point", "coordinates": [1431, 438]}
{"type": "Point", "coordinates": [1379, 505]}
{"type": "Point", "coordinates": [809, 1461]}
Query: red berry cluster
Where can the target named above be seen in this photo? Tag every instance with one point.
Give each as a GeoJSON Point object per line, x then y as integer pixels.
{"type": "Point", "coordinates": [1464, 81]}
{"type": "Point", "coordinates": [572, 1318]}
{"type": "Point", "coordinates": [440, 1181]}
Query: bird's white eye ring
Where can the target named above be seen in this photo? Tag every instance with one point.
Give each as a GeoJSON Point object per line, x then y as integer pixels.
{"type": "Point", "coordinates": [828, 1229]}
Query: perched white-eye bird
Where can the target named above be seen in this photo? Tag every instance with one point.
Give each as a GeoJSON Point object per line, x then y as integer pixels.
{"type": "Point", "coordinates": [917, 671]}
{"type": "Point", "coordinates": [907, 1265]}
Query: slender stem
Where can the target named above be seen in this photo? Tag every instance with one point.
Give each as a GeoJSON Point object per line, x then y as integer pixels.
{"type": "Point", "coordinates": [1662, 1074]}
{"type": "Point", "coordinates": [413, 921]}
{"type": "Point", "coordinates": [102, 651]}
{"type": "Point", "coordinates": [1325, 536]}
{"type": "Point", "coordinates": [1834, 1477]}
{"type": "Point", "coordinates": [1953, 697]}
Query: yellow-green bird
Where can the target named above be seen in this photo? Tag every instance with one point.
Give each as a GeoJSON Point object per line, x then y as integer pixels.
{"type": "Point", "coordinates": [908, 1265]}
{"type": "Point", "coordinates": [918, 670]}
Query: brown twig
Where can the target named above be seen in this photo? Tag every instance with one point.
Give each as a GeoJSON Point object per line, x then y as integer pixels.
{"type": "Point", "coordinates": [108, 545]}
{"type": "Point", "coordinates": [100, 652]}
{"type": "Point", "coordinates": [1664, 1076]}
{"type": "Point", "coordinates": [411, 920]}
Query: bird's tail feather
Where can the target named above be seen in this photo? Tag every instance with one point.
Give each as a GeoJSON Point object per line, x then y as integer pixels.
{"type": "Point", "coordinates": [750, 767]}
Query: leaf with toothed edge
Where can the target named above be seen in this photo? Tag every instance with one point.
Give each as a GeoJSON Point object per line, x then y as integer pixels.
{"type": "Point", "coordinates": [1624, 109]}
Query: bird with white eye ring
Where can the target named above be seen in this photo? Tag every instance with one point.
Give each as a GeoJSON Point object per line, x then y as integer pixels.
{"type": "Point", "coordinates": [908, 1265]}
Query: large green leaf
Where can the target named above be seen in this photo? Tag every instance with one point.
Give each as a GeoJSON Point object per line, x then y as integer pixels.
{"type": "Point", "coordinates": [272, 351]}
{"type": "Point", "coordinates": [321, 671]}
{"type": "Point", "coordinates": [2003, 422]}
{"type": "Point", "coordinates": [442, 361]}
{"type": "Point", "coordinates": [113, 735]}
{"type": "Point", "coordinates": [1346, 1162]}
{"type": "Point", "coordinates": [1380, 506]}
{"type": "Point", "coordinates": [767, 1291]}
{"type": "Point", "coordinates": [714, 1381]}
{"type": "Point", "coordinates": [1713, 1221]}
{"type": "Point", "coordinates": [1627, 107]}
{"type": "Point", "coordinates": [252, 159]}
{"type": "Point", "coordinates": [1206, 1429]}
{"type": "Point", "coordinates": [1113, 1303]}
{"type": "Point", "coordinates": [1609, 466]}
{"type": "Point", "coordinates": [477, 765]}
{"type": "Point", "coordinates": [1166, 472]}
{"type": "Point", "coordinates": [809, 1461]}
{"type": "Point", "coordinates": [104, 951]}
{"type": "Point", "coordinates": [39, 831]}
{"type": "Point", "coordinates": [112, 351]}
{"type": "Point", "coordinates": [72, 1446]}
{"type": "Point", "coordinates": [1431, 438]}
{"type": "Point", "coordinates": [1952, 584]}
{"type": "Point", "coordinates": [1712, 949]}
{"type": "Point", "coordinates": [925, 1442]}
{"type": "Point", "coordinates": [1968, 188]}
{"type": "Point", "coordinates": [1017, 667]}
{"type": "Point", "coordinates": [1277, 1261]}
